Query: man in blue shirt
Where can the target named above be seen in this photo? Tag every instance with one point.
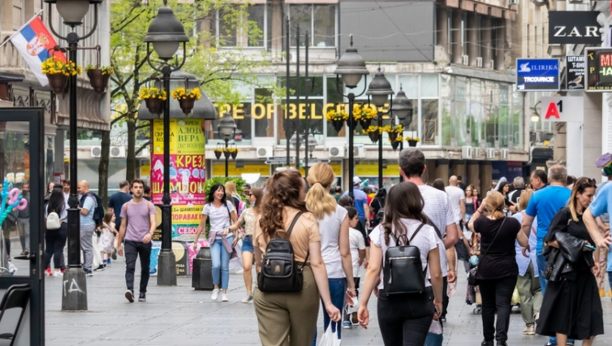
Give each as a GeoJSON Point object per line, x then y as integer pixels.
{"type": "Point", "coordinates": [361, 203]}
{"type": "Point", "coordinates": [118, 199]}
{"type": "Point", "coordinates": [87, 205]}
{"type": "Point", "coordinates": [601, 205]}
{"type": "Point", "coordinates": [544, 204]}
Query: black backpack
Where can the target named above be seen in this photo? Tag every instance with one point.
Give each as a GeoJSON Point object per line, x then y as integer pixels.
{"type": "Point", "coordinates": [403, 270]}
{"type": "Point", "coordinates": [279, 271]}
{"type": "Point", "coordinates": [98, 212]}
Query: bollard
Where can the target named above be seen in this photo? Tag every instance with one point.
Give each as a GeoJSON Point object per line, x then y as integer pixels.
{"type": "Point", "coordinates": [202, 271]}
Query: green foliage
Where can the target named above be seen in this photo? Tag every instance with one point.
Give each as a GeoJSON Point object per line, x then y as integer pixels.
{"type": "Point", "coordinates": [240, 183]}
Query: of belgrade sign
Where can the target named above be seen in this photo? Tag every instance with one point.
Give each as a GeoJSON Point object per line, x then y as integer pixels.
{"type": "Point", "coordinates": [562, 109]}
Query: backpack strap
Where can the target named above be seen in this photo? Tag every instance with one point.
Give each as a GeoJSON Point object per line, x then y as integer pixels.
{"type": "Point", "coordinates": [297, 216]}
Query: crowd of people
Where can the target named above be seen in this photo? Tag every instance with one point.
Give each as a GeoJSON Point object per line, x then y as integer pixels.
{"type": "Point", "coordinates": [548, 240]}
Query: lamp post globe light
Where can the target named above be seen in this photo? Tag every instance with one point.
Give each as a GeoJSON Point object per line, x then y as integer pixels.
{"type": "Point", "coordinates": [166, 34]}
{"type": "Point", "coordinates": [72, 13]}
{"type": "Point", "coordinates": [380, 90]}
{"type": "Point", "coordinates": [227, 131]}
{"type": "Point", "coordinates": [351, 68]}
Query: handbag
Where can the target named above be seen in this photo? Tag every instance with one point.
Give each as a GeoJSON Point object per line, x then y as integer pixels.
{"type": "Point", "coordinates": [474, 271]}
{"type": "Point", "coordinates": [403, 270]}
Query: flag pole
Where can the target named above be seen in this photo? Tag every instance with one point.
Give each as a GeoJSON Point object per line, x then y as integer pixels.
{"type": "Point", "coordinates": [19, 30]}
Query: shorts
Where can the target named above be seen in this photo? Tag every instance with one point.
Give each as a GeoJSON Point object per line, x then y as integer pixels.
{"type": "Point", "coordinates": [247, 244]}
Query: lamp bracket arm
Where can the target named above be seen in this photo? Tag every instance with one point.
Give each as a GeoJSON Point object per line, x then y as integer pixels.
{"type": "Point", "coordinates": [95, 25]}
{"type": "Point", "coordinates": [50, 17]}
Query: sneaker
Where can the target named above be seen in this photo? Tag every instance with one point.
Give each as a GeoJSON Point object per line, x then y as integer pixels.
{"type": "Point", "coordinates": [57, 273]}
{"type": "Point", "coordinates": [486, 343]}
{"type": "Point", "coordinates": [529, 330]}
{"type": "Point", "coordinates": [224, 298]}
{"type": "Point", "coordinates": [142, 297]}
{"type": "Point", "coordinates": [215, 294]}
{"type": "Point", "coordinates": [108, 261]}
{"type": "Point", "coordinates": [114, 254]}
{"type": "Point", "coordinates": [550, 344]}
{"type": "Point", "coordinates": [129, 295]}
{"type": "Point", "coordinates": [100, 268]}
{"type": "Point", "coordinates": [247, 299]}
{"type": "Point", "coordinates": [347, 325]}
{"type": "Point", "coordinates": [88, 274]}
{"type": "Point", "coordinates": [22, 253]}
{"type": "Point", "coordinates": [48, 272]}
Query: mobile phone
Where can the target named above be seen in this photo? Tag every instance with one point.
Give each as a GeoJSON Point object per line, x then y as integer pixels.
{"type": "Point", "coordinates": [436, 310]}
{"type": "Point", "coordinates": [590, 247]}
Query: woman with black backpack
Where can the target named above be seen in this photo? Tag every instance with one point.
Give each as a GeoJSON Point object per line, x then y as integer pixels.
{"type": "Point", "coordinates": [408, 303]}
{"type": "Point", "coordinates": [287, 313]}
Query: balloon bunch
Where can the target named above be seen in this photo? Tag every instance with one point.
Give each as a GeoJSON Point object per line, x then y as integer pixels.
{"type": "Point", "coordinates": [14, 201]}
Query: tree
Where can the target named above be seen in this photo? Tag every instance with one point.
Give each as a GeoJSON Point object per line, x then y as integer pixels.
{"type": "Point", "coordinates": [217, 70]}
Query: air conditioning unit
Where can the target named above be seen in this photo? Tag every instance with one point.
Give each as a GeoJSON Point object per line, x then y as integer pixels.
{"type": "Point", "coordinates": [96, 151]}
{"type": "Point", "coordinates": [491, 153]}
{"type": "Point", "coordinates": [479, 61]}
{"type": "Point", "coordinates": [117, 152]}
{"type": "Point", "coordinates": [336, 152]}
{"type": "Point", "coordinates": [476, 153]}
{"type": "Point", "coordinates": [359, 151]}
{"type": "Point", "coordinates": [144, 154]}
{"type": "Point", "coordinates": [265, 152]}
{"type": "Point", "coordinates": [504, 154]}
{"type": "Point", "coordinates": [465, 59]}
{"type": "Point", "coordinates": [466, 152]}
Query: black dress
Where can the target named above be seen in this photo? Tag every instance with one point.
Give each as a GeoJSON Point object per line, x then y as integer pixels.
{"type": "Point", "coordinates": [572, 305]}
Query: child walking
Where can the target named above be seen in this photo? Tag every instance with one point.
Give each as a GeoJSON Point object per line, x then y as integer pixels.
{"type": "Point", "coordinates": [107, 239]}
{"type": "Point", "coordinates": [358, 253]}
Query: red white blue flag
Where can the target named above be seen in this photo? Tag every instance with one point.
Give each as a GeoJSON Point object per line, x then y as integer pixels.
{"type": "Point", "coordinates": [36, 44]}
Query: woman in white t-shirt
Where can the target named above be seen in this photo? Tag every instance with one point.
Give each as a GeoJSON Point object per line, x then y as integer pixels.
{"type": "Point", "coordinates": [334, 229]}
{"type": "Point", "coordinates": [222, 214]}
{"type": "Point", "coordinates": [404, 319]}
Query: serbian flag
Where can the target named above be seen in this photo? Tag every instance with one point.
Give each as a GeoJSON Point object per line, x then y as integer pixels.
{"type": "Point", "coordinates": [35, 44]}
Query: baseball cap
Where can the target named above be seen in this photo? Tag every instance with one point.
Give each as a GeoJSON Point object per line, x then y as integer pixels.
{"type": "Point", "coordinates": [356, 180]}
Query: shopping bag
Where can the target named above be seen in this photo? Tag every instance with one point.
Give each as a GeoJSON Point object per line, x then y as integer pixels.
{"type": "Point", "coordinates": [330, 338]}
{"type": "Point", "coordinates": [516, 299]}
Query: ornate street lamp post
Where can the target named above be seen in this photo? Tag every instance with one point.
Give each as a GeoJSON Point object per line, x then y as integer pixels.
{"type": "Point", "coordinates": [380, 90]}
{"type": "Point", "coordinates": [351, 68]}
{"type": "Point", "coordinates": [73, 12]}
{"type": "Point", "coordinates": [227, 131]}
{"type": "Point", "coordinates": [166, 34]}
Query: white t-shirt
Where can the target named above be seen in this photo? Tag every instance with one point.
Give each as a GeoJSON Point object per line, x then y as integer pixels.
{"type": "Point", "coordinates": [357, 243]}
{"type": "Point", "coordinates": [329, 227]}
{"type": "Point", "coordinates": [219, 218]}
{"type": "Point", "coordinates": [439, 210]}
{"type": "Point", "coordinates": [456, 195]}
{"type": "Point", "coordinates": [425, 240]}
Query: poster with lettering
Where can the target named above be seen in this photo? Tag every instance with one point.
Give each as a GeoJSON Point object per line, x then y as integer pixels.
{"type": "Point", "coordinates": [537, 74]}
{"type": "Point", "coordinates": [599, 69]}
{"type": "Point", "coordinates": [187, 172]}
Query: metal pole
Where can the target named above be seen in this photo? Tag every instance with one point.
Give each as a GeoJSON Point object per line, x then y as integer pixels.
{"type": "Point", "coordinates": [351, 99]}
{"type": "Point", "coordinates": [306, 92]}
{"type": "Point", "coordinates": [226, 156]}
{"type": "Point", "coordinates": [380, 152]}
{"type": "Point", "coordinates": [286, 122]}
{"type": "Point", "coordinates": [297, 98]}
{"type": "Point", "coordinates": [167, 261]}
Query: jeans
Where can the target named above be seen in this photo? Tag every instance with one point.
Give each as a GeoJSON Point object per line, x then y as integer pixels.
{"type": "Point", "coordinates": [496, 295]}
{"type": "Point", "coordinates": [220, 262]}
{"type": "Point", "coordinates": [55, 241]}
{"type": "Point", "coordinates": [541, 266]}
{"type": "Point", "coordinates": [134, 249]}
{"type": "Point", "coordinates": [87, 246]}
{"type": "Point", "coordinates": [337, 291]}
{"type": "Point", "coordinates": [445, 300]}
{"type": "Point", "coordinates": [362, 220]}
{"type": "Point", "coordinates": [404, 319]}
{"type": "Point", "coordinates": [23, 225]}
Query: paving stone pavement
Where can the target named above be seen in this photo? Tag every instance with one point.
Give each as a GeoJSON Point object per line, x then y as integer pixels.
{"type": "Point", "coordinates": [182, 316]}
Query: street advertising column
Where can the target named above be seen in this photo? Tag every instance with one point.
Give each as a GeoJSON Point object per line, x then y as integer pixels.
{"type": "Point", "coordinates": [187, 178]}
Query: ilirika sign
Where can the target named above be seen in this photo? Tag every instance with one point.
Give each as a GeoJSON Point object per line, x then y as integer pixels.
{"type": "Point", "coordinates": [537, 74]}
{"type": "Point", "coordinates": [599, 69]}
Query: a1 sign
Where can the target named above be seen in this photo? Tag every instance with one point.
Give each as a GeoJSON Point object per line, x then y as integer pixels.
{"type": "Point", "coordinates": [562, 109]}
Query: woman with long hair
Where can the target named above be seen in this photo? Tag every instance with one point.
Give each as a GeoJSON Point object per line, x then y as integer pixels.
{"type": "Point", "coordinates": [248, 218]}
{"type": "Point", "coordinates": [291, 318]}
{"type": "Point", "coordinates": [335, 244]}
{"type": "Point", "coordinates": [221, 213]}
{"type": "Point", "coordinates": [404, 319]}
{"type": "Point", "coordinates": [471, 203]}
{"type": "Point", "coordinates": [497, 269]}
{"type": "Point", "coordinates": [572, 307]}
{"type": "Point", "coordinates": [528, 284]}
{"type": "Point", "coordinates": [55, 239]}
{"type": "Point", "coordinates": [232, 194]}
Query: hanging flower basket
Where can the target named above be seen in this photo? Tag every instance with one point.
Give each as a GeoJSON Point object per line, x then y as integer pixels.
{"type": "Point", "coordinates": [337, 124]}
{"type": "Point", "coordinates": [365, 123]}
{"type": "Point", "coordinates": [154, 105]}
{"type": "Point", "coordinates": [98, 77]}
{"type": "Point", "coordinates": [227, 154]}
{"type": "Point", "coordinates": [58, 83]}
{"type": "Point", "coordinates": [374, 136]}
{"type": "Point", "coordinates": [187, 104]}
{"type": "Point", "coordinates": [393, 136]}
{"type": "Point", "coordinates": [218, 154]}
{"type": "Point", "coordinates": [373, 132]}
{"type": "Point", "coordinates": [395, 145]}
{"type": "Point", "coordinates": [364, 114]}
{"type": "Point", "coordinates": [412, 143]}
{"type": "Point", "coordinates": [234, 154]}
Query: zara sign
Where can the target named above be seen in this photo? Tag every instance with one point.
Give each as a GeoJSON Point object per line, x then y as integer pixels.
{"type": "Point", "coordinates": [576, 27]}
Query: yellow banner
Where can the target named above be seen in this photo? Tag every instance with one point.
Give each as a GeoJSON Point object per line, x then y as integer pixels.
{"type": "Point", "coordinates": [186, 136]}
{"type": "Point", "coordinates": [218, 169]}
{"type": "Point", "coordinates": [370, 169]}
